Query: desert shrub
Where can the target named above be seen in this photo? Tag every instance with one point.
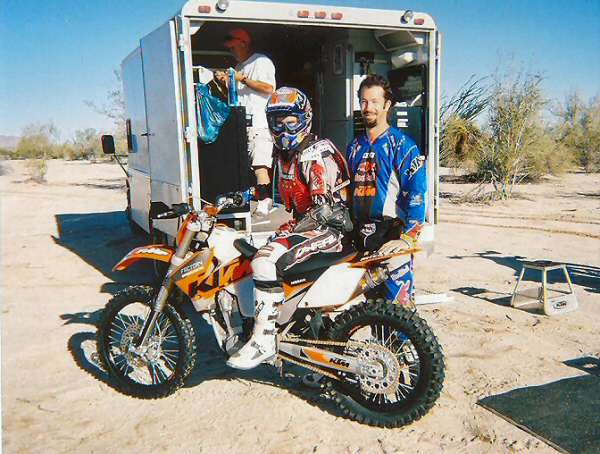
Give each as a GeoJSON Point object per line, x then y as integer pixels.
{"type": "Point", "coordinates": [38, 141]}
{"type": "Point", "coordinates": [578, 130]}
{"type": "Point", "coordinates": [461, 143]}
{"type": "Point", "coordinates": [460, 134]}
{"type": "Point", "coordinates": [545, 155]}
{"type": "Point", "coordinates": [85, 145]}
{"type": "Point", "coordinates": [37, 169]}
{"type": "Point", "coordinates": [66, 151]}
{"type": "Point", "coordinates": [5, 153]}
{"type": "Point", "coordinates": [34, 146]}
{"type": "Point", "coordinates": [516, 145]}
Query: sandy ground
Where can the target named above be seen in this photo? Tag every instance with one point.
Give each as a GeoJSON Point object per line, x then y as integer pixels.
{"type": "Point", "coordinates": [60, 240]}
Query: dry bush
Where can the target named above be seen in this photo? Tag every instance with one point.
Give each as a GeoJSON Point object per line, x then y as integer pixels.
{"type": "Point", "coordinates": [514, 145]}
{"type": "Point", "coordinates": [461, 143]}
{"type": "Point", "coordinates": [38, 141]}
{"type": "Point", "coordinates": [37, 170]}
{"type": "Point", "coordinates": [517, 145]}
{"type": "Point", "coordinates": [85, 145]}
{"type": "Point", "coordinates": [579, 130]}
{"type": "Point", "coordinates": [34, 146]}
{"type": "Point", "coordinates": [545, 155]}
{"type": "Point", "coordinates": [460, 134]}
{"type": "Point", "coordinates": [67, 152]}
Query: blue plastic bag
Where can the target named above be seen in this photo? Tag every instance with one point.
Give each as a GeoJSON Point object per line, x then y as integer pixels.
{"type": "Point", "coordinates": [211, 112]}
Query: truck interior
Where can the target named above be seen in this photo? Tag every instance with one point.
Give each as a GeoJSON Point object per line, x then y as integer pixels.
{"type": "Point", "coordinates": [321, 61]}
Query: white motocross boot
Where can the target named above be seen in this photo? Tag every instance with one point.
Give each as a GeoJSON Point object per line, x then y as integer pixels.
{"type": "Point", "coordinates": [261, 347]}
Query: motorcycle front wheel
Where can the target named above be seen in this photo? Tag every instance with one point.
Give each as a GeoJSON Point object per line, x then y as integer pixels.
{"type": "Point", "coordinates": [157, 369]}
{"type": "Point", "coordinates": [403, 362]}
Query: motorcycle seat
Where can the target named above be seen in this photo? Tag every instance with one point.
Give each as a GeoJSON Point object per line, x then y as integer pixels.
{"type": "Point", "coordinates": [311, 269]}
{"type": "Point", "coordinates": [245, 248]}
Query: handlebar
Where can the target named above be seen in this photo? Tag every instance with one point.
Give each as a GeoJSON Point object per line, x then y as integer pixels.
{"type": "Point", "coordinates": [231, 200]}
{"type": "Point", "coordinates": [176, 210]}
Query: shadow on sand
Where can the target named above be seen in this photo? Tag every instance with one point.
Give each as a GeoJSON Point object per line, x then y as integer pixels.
{"type": "Point", "coordinates": [585, 276]}
{"type": "Point", "coordinates": [210, 363]}
{"type": "Point", "coordinates": [564, 413]}
{"type": "Point", "coordinates": [101, 240]}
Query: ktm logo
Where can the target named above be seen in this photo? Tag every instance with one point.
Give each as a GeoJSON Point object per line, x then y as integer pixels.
{"type": "Point", "coordinates": [340, 362]}
{"type": "Point", "coordinates": [365, 191]}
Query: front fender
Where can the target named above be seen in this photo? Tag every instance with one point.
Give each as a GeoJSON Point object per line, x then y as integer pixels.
{"type": "Point", "coordinates": [158, 252]}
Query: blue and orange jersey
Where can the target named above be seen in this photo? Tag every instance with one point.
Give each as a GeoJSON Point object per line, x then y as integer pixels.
{"type": "Point", "coordinates": [389, 180]}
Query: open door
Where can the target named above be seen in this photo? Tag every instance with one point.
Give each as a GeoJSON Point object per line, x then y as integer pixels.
{"type": "Point", "coordinates": [138, 159]}
{"type": "Point", "coordinates": [162, 86]}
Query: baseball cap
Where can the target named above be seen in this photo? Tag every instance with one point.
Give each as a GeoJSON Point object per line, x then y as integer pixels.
{"type": "Point", "coordinates": [237, 34]}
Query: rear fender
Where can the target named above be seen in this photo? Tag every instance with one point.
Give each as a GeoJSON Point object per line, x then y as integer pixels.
{"type": "Point", "coordinates": [158, 252]}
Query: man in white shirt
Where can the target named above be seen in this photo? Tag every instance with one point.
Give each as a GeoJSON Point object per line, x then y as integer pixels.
{"type": "Point", "coordinates": [255, 76]}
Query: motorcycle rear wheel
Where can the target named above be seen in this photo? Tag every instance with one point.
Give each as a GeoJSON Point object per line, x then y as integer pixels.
{"type": "Point", "coordinates": [409, 343]}
{"type": "Point", "coordinates": [170, 354]}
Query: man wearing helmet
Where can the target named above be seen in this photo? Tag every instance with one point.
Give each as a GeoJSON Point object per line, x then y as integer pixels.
{"type": "Point", "coordinates": [312, 178]}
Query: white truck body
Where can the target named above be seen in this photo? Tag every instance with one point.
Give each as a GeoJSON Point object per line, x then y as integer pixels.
{"type": "Point", "coordinates": [322, 50]}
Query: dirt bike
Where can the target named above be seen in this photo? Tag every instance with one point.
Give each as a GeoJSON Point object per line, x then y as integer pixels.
{"type": "Point", "coordinates": [382, 363]}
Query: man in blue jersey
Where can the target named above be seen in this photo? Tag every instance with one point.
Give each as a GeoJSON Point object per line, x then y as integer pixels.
{"type": "Point", "coordinates": [389, 185]}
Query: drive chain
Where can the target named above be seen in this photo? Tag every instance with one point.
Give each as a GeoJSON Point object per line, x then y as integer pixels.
{"type": "Point", "coordinates": [300, 340]}
{"type": "Point", "coordinates": [310, 366]}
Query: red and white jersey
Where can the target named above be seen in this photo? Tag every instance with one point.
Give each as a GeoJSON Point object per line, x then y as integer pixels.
{"type": "Point", "coordinates": [317, 172]}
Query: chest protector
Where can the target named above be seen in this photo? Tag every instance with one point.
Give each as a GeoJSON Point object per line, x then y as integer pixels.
{"type": "Point", "coordinates": [309, 172]}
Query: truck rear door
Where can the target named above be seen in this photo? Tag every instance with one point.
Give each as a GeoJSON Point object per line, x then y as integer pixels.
{"type": "Point", "coordinates": [162, 88]}
{"type": "Point", "coordinates": [138, 160]}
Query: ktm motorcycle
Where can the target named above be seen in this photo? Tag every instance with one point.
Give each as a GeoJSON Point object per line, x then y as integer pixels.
{"type": "Point", "coordinates": [382, 364]}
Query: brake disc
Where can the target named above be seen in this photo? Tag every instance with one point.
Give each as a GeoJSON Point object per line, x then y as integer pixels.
{"type": "Point", "coordinates": [127, 338]}
{"type": "Point", "coordinates": [381, 369]}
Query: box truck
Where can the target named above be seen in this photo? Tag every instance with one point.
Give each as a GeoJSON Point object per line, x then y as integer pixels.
{"type": "Point", "coordinates": [324, 51]}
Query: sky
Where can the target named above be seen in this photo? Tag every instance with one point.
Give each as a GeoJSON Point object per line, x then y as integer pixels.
{"type": "Point", "coordinates": [56, 54]}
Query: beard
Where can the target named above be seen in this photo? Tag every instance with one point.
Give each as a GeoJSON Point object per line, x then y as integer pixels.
{"type": "Point", "coordinates": [370, 123]}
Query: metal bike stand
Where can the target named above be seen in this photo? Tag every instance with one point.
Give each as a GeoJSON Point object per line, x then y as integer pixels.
{"type": "Point", "coordinates": [552, 301]}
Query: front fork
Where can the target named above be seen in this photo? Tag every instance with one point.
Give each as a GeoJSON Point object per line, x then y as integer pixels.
{"type": "Point", "coordinates": [165, 289]}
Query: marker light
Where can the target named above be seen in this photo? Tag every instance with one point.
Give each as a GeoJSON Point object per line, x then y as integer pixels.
{"type": "Point", "coordinates": [407, 16]}
{"type": "Point", "coordinates": [222, 5]}
{"type": "Point", "coordinates": [303, 13]}
{"type": "Point", "coordinates": [204, 9]}
{"type": "Point", "coordinates": [337, 16]}
{"type": "Point", "coordinates": [320, 14]}
{"type": "Point", "coordinates": [419, 21]}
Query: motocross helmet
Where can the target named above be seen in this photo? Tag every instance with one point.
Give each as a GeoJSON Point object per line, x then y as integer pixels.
{"type": "Point", "coordinates": [284, 102]}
